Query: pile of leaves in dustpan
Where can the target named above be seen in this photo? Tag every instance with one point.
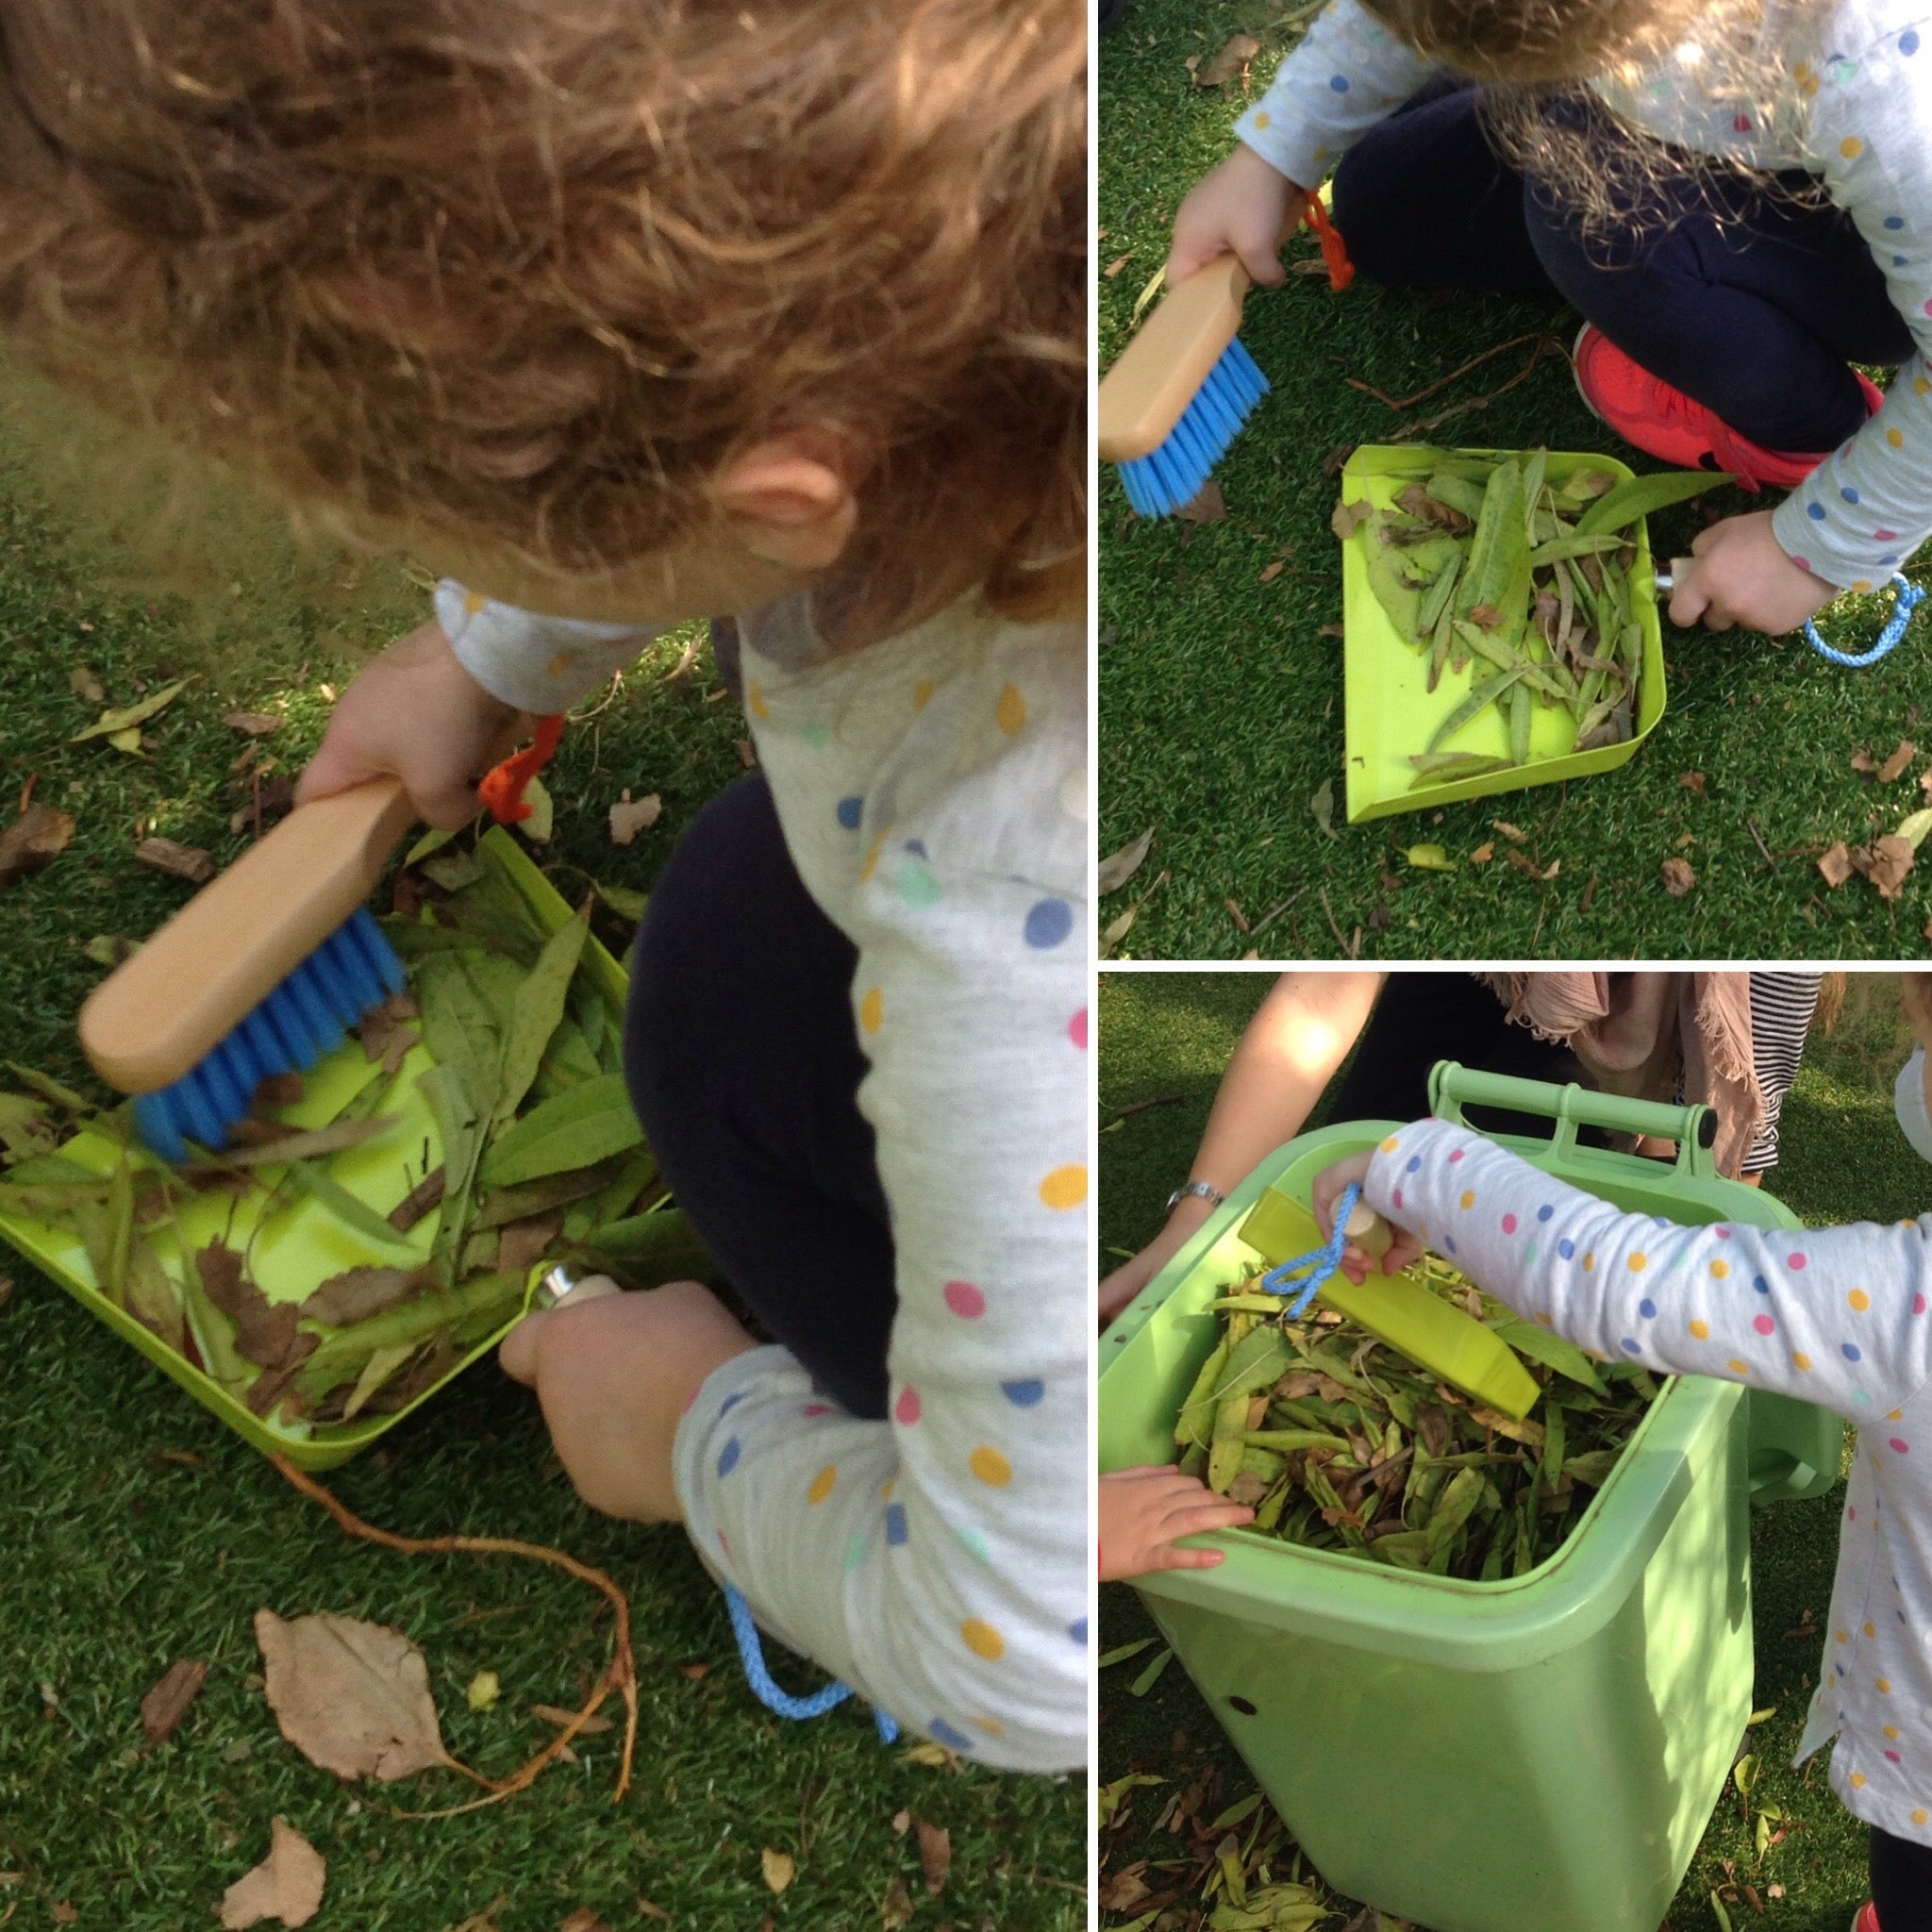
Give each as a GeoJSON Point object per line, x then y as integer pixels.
{"type": "Point", "coordinates": [542, 1159]}
{"type": "Point", "coordinates": [1342, 1443]}
{"type": "Point", "coordinates": [1485, 559]}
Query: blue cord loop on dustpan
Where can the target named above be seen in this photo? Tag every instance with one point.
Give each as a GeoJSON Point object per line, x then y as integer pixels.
{"type": "Point", "coordinates": [751, 1654]}
{"type": "Point", "coordinates": [1321, 1263]}
{"type": "Point", "coordinates": [1909, 597]}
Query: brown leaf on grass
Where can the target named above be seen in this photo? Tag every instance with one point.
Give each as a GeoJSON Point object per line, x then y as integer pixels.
{"type": "Point", "coordinates": [935, 1855]}
{"type": "Point", "coordinates": [1231, 60]}
{"type": "Point", "coordinates": [287, 1885]}
{"type": "Point", "coordinates": [1332, 630]}
{"type": "Point", "coordinates": [252, 724]}
{"type": "Point", "coordinates": [357, 1293]}
{"type": "Point", "coordinates": [1515, 834]}
{"type": "Point", "coordinates": [1208, 505]}
{"type": "Point", "coordinates": [1321, 804]}
{"type": "Point", "coordinates": [1483, 852]}
{"type": "Point", "coordinates": [629, 816]}
{"type": "Point", "coordinates": [167, 1703]}
{"type": "Point", "coordinates": [1115, 266]}
{"type": "Point", "coordinates": [1530, 869]}
{"type": "Point", "coordinates": [587, 1726]}
{"type": "Point", "coordinates": [1895, 765]}
{"type": "Point", "coordinates": [187, 862]}
{"type": "Point", "coordinates": [1691, 781]}
{"type": "Point", "coordinates": [63, 1913]}
{"type": "Point", "coordinates": [1884, 862]}
{"type": "Point", "coordinates": [33, 842]}
{"type": "Point", "coordinates": [385, 1032]}
{"type": "Point", "coordinates": [1271, 571]}
{"type": "Point", "coordinates": [656, 1914]}
{"type": "Point", "coordinates": [1117, 868]}
{"type": "Point", "coordinates": [584, 1920]}
{"type": "Point", "coordinates": [1678, 877]}
{"type": "Point", "coordinates": [895, 1909]}
{"type": "Point", "coordinates": [265, 1331]}
{"type": "Point", "coordinates": [523, 1242]}
{"type": "Point", "coordinates": [84, 684]}
{"type": "Point", "coordinates": [779, 1868]}
{"type": "Point", "coordinates": [1863, 762]}
{"type": "Point", "coordinates": [353, 1697]}
{"type": "Point", "coordinates": [1836, 865]}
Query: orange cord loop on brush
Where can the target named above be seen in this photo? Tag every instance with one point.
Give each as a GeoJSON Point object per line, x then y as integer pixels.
{"type": "Point", "coordinates": [503, 785]}
{"type": "Point", "coordinates": [1334, 250]}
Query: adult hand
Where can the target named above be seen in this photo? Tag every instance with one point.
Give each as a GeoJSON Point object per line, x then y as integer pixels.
{"type": "Point", "coordinates": [1244, 207]}
{"type": "Point", "coordinates": [1742, 575]}
{"type": "Point", "coordinates": [414, 712]}
{"type": "Point", "coordinates": [1143, 1512]}
{"type": "Point", "coordinates": [1118, 1288]}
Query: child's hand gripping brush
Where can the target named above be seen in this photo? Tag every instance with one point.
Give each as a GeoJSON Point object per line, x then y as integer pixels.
{"type": "Point", "coordinates": [268, 966]}
{"type": "Point", "coordinates": [1451, 1346]}
{"type": "Point", "coordinates": [1178, 394]}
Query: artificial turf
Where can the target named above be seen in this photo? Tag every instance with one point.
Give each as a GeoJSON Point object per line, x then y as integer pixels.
{"type": "Point", "coordinates": [134, 1530]}
{"type": "Point", "coordinates": [1842, 1159]}
{"type": "Point", "coordinates": [1221, 697]}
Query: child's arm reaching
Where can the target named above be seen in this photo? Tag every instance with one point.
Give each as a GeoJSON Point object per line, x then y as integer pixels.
{"type": "Point", "coordinates": [1837, 1316]}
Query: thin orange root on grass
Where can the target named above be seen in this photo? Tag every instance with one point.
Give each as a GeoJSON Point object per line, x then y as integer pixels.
{"type": "Point", "coordinates": [622, 1675]}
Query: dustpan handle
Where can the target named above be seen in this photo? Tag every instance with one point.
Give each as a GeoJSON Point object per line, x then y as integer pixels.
{"type": "Point", "coordinates": [1452, 1088]}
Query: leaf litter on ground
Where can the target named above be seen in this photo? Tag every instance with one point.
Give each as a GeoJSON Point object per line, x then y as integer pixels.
{"type": "Point", "coordinates": [287, 1886]}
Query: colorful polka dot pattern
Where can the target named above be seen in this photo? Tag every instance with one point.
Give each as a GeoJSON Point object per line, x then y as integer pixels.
{"type": "Point", "coordinates": [1834, 1315]}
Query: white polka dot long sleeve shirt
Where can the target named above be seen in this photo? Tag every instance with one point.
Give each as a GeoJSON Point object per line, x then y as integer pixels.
{"type": "Point", "coordinates": [932, 793]}
{"type": "Point", "coordinates": [1853, 106]}
{"type": "Point", "coordinates": [1837, 1316]}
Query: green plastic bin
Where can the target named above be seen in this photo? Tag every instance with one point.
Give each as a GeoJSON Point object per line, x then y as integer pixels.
{"type": "Point", "coordinates": [1389, 709]}
{"type": "Point", "coordinates": [1535, 1754]}
{"type": "Point", "coordinates": [304, 1245]}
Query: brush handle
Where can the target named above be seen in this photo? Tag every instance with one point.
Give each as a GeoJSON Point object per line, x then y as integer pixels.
{"type": "Point", "coordinates": [1161, 372]}
{"type": "Point", "coordinates": [165, 1008]}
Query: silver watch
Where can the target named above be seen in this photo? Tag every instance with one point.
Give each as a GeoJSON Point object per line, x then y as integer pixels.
{"type": "Point", "coordinates": [1205, 1189]}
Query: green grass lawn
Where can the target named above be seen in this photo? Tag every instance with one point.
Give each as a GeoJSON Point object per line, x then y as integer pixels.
{"type": "Point", "coordinates": [138, 1531]}
{"type": "Point", "coordinates": [1221, 698]}
{"type": "Point", "coordinates": [1843, 1160]}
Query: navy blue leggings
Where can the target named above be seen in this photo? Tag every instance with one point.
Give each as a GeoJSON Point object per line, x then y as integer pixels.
{"type": "Point", "coordinates": [1739, 295]}
{"type": "Point", "coordinates": [1901, 1883]}
{"type": "Point", "coordinates": [743, 1064]}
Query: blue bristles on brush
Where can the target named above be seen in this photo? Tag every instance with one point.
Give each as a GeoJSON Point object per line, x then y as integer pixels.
{"type": "Point", "coordinates": [261, 973]}
{"type": "Point", "coordinates": [308, 1015]}
{"type": "Point", "coordinates": [1173, 475]}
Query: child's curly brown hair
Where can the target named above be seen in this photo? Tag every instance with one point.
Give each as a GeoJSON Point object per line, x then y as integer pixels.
{"type": "Point", "coordinates": [531, 272]}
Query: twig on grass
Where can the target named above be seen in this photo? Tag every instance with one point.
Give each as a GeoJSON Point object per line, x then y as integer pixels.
{"type": "Point", "coordinates": [620, 1676]}
{"type": "Point", "coordinates": [1142, 1106]}
{"type": "Point", "coordinates": [1757, 837]}
{"type": "Point", "coordinates": [1540, 336]}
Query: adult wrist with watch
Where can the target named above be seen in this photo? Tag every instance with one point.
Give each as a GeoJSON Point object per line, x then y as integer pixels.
{"type": "Point", "coordinates": [1201, 1190]}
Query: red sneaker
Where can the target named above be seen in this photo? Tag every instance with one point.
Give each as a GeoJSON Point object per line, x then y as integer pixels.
{"type": "Point", "coordinates": [1866, 1920]}
{"type": "Point", "coordinates": [1664, 422]}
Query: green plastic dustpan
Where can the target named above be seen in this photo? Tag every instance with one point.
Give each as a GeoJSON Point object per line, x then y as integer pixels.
{"type": "Point", "coordinates": [1400, 1311]}
{"type": "Point", "coordinates": [304, 1244]}
{"type": "Point", "coordinates": [1389, 711]}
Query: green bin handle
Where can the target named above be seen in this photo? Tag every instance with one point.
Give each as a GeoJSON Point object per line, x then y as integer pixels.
{"type": "Point", "coordinates": [1694, 1129]}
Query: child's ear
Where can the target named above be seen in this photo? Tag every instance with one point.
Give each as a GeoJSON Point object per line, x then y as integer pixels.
{"type": "Point", "coordinates": [791, 499]}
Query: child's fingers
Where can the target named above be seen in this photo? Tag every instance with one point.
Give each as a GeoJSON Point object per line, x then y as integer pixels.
{"type": "Point", "coordinates": [517, 1354]}
{"type": "Point", "coordinates": [1141, 1469]}
{"type": "Point", "coordinates": [1212, 1513]}
{"type": "Point", "coordinates": [336, 766]}
{"type": "Point", "coordinates": [1166, 1556]}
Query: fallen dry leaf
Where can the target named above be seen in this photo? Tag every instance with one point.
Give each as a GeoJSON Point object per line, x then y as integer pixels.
{"type": "Point", "coordinates": [523, 1242]}
{"type": "Point", "coordinates": [1691, 781]}
{"type": "Point", "coordinates": [1863, 762]}
{"type": "Point", "coordinates": [357, 1293]}
{"type": "Point", "coordinates": [287, 1885]}
{"type": "Point", "coordinates": [1332, 630]}
{"type": "Point", "coordinates": [934, 1756]}
{"type": "Point", "coordinates": [353, 1697]}
{"type": "Point", "coordinates": [1515, 834]}
{"type": "Point", "coordinates": [583, 1920]}
{"type": "Point", "coordinates": [385, 1032]}
{"type": "Point", "coordinates": [187, 862]}
{"type": "Point", "coordinates": [1884, 862]}
{"type": "Point", "coordinates": [1483, 852]}
{"type": "Point", "coordinates": [33, 842]}
{"type": "Point", "coordinates": [656, 1914]}
{"type": "Point", "coordinates": [1271, 571]}
{"type": "Point", "coordinates": [935, 1855]}
{"type": "Point", "coordinates": [1345, 518]}
{"type": "Point", "coordinates": [1117, 868]}
{"type": "Point", "coordinates": [1894, 766]}
{"type": "Point", "coordinates": [110, 725]}
{"type": "Point", "coordinates": [628, 817]}
{"type": "Point", "coordinates": [84, 684]}
{"type": "Point", "coordinates": [167, 1703]}
{"type": "Point", "coordinates": [63, 1913]}
{"type": "Point", "coordinates": [252, 724]}
{"type": "Point", "coordinates": [588, 1727]}
{"type": "Point", "coordinates": [1836, 865]}
{"type": "Point", "coordinates": [1115, 266]}
{"type": "Point", "coordinates": [779, 1868]}
{"type": "Point", "coordinates": [1207, 507]}
{"type": "Point", "coordinates": [1678, 877]}
{"type": "Point", "coordinates": [485, 1688]}
{"type": "Point", "coordinates": [895, 1909]}
{"type": "Point", "coordinates": [1232, 59]}
{"type": "Point", "coordinates": [1530, 869]}
{"type": "Point", "coordinates": [902, 1822]}
{"type": "Point", "coordinates": [1323, 805]}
